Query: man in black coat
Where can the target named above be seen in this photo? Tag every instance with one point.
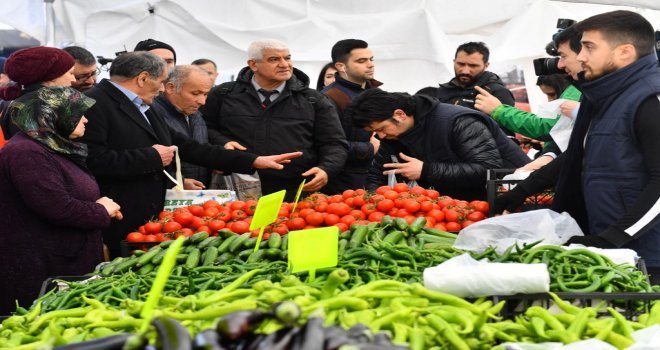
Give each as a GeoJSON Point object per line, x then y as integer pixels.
{"type": "Point", "coordinates": [271, 109]}
{"type": "Point", "coordinates": [436, 144]}
{"type": "Point", "coordinates": [470, 66]}
{"type": "Point", "coordinates": [130, 145]}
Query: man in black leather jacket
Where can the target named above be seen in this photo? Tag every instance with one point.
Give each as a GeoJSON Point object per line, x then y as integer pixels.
{"type": "Point", "coordinates": [470, 64]}
{"type": "Point", "coordinates": [437, 144]}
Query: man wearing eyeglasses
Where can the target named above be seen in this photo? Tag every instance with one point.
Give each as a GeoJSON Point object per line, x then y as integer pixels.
{"type": "Point", "coordinates": [84, 70]}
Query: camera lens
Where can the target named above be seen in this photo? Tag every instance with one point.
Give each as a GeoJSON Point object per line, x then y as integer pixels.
{"type": "Point", "coordinates": [547, 66]}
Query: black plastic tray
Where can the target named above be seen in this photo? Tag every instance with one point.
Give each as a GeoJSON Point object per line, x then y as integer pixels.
{"type": "Point", "coordinates": [51, 282]}
{"type": "Point", "coordinates": [494, 182]}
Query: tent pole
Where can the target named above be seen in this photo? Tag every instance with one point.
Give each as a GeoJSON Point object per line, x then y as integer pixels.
{"type": "Point", "coordinates": [50, 23]}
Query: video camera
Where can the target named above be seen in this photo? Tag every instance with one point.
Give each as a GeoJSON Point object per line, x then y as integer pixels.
{"type": "Point", "coordinates": [104, 60]}
{"type": "Point", "coordinates": [548, 65]}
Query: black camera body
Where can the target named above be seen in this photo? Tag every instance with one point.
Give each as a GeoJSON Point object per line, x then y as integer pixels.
{"type": "Point", "coordinates": [548, 65]}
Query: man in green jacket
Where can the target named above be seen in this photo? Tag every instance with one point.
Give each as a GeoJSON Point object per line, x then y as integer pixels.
{"type": "Point", "coordinates": [529, 124]}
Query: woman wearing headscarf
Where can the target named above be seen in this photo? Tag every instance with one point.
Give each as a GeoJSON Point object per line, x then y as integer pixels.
{"type": "Point", "coordinates": [51, 212]}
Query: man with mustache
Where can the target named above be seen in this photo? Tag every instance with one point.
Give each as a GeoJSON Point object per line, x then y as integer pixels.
{"type": "Point", "coordinates": [269, 108]}
{"type": "Point", "coordinates": [470, 64]}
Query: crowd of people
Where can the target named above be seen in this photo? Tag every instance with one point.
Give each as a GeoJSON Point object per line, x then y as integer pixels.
{"type": "Point", "coordinates": [86, 161]}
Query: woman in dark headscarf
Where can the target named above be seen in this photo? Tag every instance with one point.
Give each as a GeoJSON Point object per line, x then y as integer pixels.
{"type": "Point", "coordinates": [51, 212]}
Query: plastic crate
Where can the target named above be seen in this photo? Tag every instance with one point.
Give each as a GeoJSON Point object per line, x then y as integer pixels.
{"type": "Point", "coordinates": [629, 304]}
{"type": "Point", "coordinates": [127, 248]}
{"type": "Point", "coordinates": [496, 185]}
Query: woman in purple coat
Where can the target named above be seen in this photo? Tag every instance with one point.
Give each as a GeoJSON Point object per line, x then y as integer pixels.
{"type": "Point", "coordinates": [51, 213]}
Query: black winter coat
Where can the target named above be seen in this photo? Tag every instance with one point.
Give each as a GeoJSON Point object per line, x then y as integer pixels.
{"type": "Point", "coordinates": [300, 119]}
{"type": "Point", "coordinates": [457, 145]}
{"type": "Point", "coordinates": [126, 166]}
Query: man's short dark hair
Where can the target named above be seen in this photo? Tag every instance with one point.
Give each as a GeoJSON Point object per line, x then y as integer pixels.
{"type": "Point", "coordinates": [557, 82]}
{"type": "Point", "coordinates": [622, 27]}
{"type": "Point", "coordinates": [81, 55]}
{"type": "Point", "coordinates": [472, 47]}
{"type": "Point", "coordinates": [131, 64]}
{"type": "Point", "coordinates": [375, 105]}
{"type": "Point", "coordinates": [202, 61]}
{"type": "Point", "coordinates": [572, 35]}
{"type": "Point", "coordinates": [342, 49]}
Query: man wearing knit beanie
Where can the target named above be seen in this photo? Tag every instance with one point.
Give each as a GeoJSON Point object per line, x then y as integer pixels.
{"type": "Point", "coordinates": [160, 49]}
{"type": "Point", "coordinates": [4, 79]}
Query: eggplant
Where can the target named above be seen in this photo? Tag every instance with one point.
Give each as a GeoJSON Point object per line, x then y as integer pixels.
{"type": "Point", "coordinates": [172, 334]}
{"type": "Point", "coordinates": [360, 333]}
{"type": "Point", "coordinates": [115, 342]}
{"type": "Point", "coordinates": [382, 338]}
{"type": "Point", "coordinates": [237, 324]}
{"type": "Point", "coordinates": [335, 337]}
{"type": "Point", "coordinates": [311, 336]}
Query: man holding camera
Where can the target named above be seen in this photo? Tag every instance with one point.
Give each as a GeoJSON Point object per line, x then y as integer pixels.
{"type": "Point", "coordinates": [566, 44]}
{"type": "Point", "coordinates": [609, 177]}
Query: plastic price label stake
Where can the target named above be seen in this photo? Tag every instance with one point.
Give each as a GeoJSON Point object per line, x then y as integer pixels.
{"type": "Point", "coordinates": [313, 249]}
{"type": "Point", "coordinates": [266, 213]}
{"type": "Point", "coordinates": [295, 201]}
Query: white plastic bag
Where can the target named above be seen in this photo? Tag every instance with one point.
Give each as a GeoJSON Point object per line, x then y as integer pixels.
{"type": "Point", "coordinates": [589, 344]}
{"type": "Point", "coordinates": [465, 277]}
{"type": "Point", "coordinates": [504, 231]}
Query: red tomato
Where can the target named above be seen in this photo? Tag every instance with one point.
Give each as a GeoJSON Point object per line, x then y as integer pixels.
{"type": "Point", "coordinates": [437, 214]}
{"type": "Point", "coordinates": [224, 214]}
{"type": "Point", "coordinates": [348, 194]}
{"type": "Point", "coordinates": [250, 206]}
{"type": "Point", "coordinates": [401, 187]}
{"type": "Point", "coordinates": [197, 222]}
{"type": "Point", "coordinates": [331, 219]}
{"type": "Point", "coordinates": [358, 201]}
{"type": "Point", "coordinates": [204, 228]}
{"type": "Point", "coordinates": [391, 194]}
{"type": "Point", "coordinates": [411, 205]}
{"type": "Point", "coordinates": [296, 224]}
{"type": "Point", "coordinates": [373, 217]}
{"type": "Point", "coordinates": [348, 219]}
{"type": "Point", "coordinates": [185, 219]}
{"type": "Point", "coordinates": [445, 201]}
{"type": "Point", "coordinates": [211, 212]}
{"type": "Point", "coordinates": [426, 206]}
{"type": "Point", "coordinates": [451, 215]}
{"type": "Point", "coordinates": [342, 226]}
{"type": "Point", "coordinates": [481, 206]}
{"type": "Point", "coordinates": [304, 212]}
{"type": "Point", "coordinates": [314, 219]}
{"type": "Point", "coordinates": [171, 226]}
{"type": "Point", "coordinates": [135, 237]}
{"type": "Point", "coordinates": [142, 230]}
{"type": "Point", "coordinates": [385, 205]}
{"type": "Point", "coordinates": [409, 219]}
{"type": "Point", "coordinates": [217, 225]}
{"type": "Point", "coordinates": [476, 216]}
{"type": "Point", "coordinates": [159, 237]}
{"type": "Point", "coordinates": [358, 214]}
{"type": "Point", "coordinates": [238, 214]}
{"type": "Point", "coordinates": [337, 198]}
{"type": "Point", "coordinates": [196, 210]}
{"type": "Point", "coordinates": [453, 226]}
{"type": "Point", "coordinates": [153, 227]}
{"type": "Point", "coordinates": [382, 189]}
{"type": "Point", "coordinates": [368, 209]}
{"type": "Point", "coordinates": [284, 211]}
{"type": "Point", "coordinates": [418, 190]}
{"type": "Point", "coordinates": [235, 205]}
{"type": "Point", "coordinates": [239, 227]}
{"type": "Point", "coordinates": [186, 232]}
{"type": "Point", "coordinates": [210, 204]}
{"type": "Point", "coordinates": [342, 209]}
{"type": "Point", "coordinates": [350, 202]}
{"type": "Point", "coordinates": [430, 221]}
{"type": "Point", "coordinates": [280, 229]}
{"type": "Point", "coordinates": [150, 238]}
{"type": "Point", "coordinates": [321, 207]}
{"type": "Point", "coordinates": [360, 192]}
{"type": "Point", "coordinates": [467, 223]}
{"type": "Point", "coordinates": [164, 215]}
{"type": "Point", "coordinates": [433, 194]}
{"type": "Point", "coordinates": [304, 204]}
{"type": "Point", "coordinates": [440, 226]}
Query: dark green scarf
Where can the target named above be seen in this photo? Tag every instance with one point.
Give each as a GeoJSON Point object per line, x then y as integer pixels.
{"type": "Point", "coordinates": [49, 115]}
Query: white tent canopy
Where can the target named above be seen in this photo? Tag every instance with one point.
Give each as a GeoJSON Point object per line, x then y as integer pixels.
{"type": "Point", "coordinates": [413, 40]}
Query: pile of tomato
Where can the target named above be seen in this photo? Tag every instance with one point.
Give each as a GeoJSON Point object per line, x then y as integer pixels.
{"type": "Point", "coordinates": [318, 210]}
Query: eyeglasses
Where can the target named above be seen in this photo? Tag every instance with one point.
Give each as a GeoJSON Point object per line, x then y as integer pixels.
{"type": "Point", "coordinates": [86, 76]}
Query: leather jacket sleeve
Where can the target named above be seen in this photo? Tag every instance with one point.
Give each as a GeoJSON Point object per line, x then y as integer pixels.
{"type": "Point", "coordinates": [475, 146]}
